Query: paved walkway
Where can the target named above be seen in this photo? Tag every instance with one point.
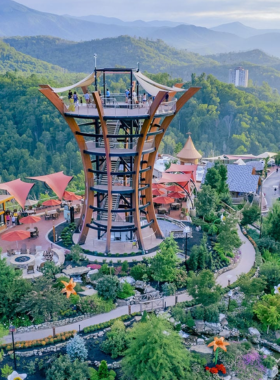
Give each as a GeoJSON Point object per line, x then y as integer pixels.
{"type": "Point", "coordinates": [244, 266]}
{"type": "Point", "coordinates": [246, 263]}
{"type": "Point", "coordinates": [119, 311]}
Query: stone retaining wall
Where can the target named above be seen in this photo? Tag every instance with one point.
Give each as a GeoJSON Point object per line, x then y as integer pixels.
{"type": "Point", "coordinates": [59, 346]}
{"type": "Point", "coordinates": [226, 269]}
{"type": "Point", "coordinates": [49, 325]}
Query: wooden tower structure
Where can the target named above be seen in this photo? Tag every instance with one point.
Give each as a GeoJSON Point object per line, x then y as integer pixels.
{"type": "Point", "coordinates": [118, 137]}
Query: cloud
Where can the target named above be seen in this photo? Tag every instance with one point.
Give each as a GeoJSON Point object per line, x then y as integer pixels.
{"type": "Point", "coordinates": [258, 13]}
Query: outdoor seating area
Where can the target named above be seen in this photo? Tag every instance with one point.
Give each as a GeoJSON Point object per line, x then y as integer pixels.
{"type": "Point", "coordinates": [32, 260]}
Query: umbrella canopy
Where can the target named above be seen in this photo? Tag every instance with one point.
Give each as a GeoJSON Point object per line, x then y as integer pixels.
{"type": "Point", "coordinates": [177, 195]}
{"type": "Point", "coordinates": [69, 196]}
{"type": "Point", "coordinates": [30, 202]}
{"type": "Point", "coordinates": [51, 202]}
{"type": "Point", "coordinates": [163, 200]}
{"type": "Point", "coordinates": [158, 186]}
{"type": "Point", "coordinates": [16, 235]}
{"type": "Point", "coordinates": [174, 188]}
{"type": "Point", "coordinates": [30, 219]}
{"type": "Point", "coordinates": [157, 192]}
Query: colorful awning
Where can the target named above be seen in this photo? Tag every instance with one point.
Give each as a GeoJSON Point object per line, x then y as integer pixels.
{"type": "Point", "coordinates": [56, 181]}
{"type": "Point", "coordinates": [18, 189]}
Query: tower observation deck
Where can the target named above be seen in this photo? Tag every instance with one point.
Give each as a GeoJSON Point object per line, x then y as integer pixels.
{"type": "Point", "coordinates": [118, 137]}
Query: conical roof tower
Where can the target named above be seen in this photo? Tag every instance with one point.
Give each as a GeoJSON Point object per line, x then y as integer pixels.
{"type": "Point", "coordinates": [189, 154]}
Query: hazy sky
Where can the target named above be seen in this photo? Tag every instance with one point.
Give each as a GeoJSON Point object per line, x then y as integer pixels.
{"type": "Point", "coordinates": [257, 13]}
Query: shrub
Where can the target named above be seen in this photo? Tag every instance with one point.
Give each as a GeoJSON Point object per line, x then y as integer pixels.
{"type": "Point", "coordinates": [64, 368]}
{"type": "Point", "coordinates": [95, 305]}
{"type": "Point", "coordinates": [168, 289]}
{"type": "Point", "coordinates": [198, 313]}
{"type": "Point", "coordinates": [269, 362]}
{"type": "Point", "coordinates": [116, 342]}
{"type": "Point", "coordinates": [138, 271]}
{"type": "Point", "coordinates": [211, 314]}
{"type": "Point", "coordinates": [125, 266]}
{"type": "Point", "coordinates": [76, 348]}
{"type": "Point", "coordinates": [126, 291]}
{"type": "Point", "coordinates": [6, 370]}
{"type": "Point", "coordinates": [108, 287]}
{"type": "Point", "coordinates": [189, 321]}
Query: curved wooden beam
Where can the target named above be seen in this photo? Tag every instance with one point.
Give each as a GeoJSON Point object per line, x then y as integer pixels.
{"type": "Point", "coordinates": [104, 128]}
{"type": "Point", "coordinates": [152, 157]}
{"type": "Point", "coordinates": [89, 195]}
{"type": "Point", "coordinates": [137, 162]}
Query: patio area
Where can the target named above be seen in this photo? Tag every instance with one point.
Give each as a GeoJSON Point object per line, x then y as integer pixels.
{"type": "Point", "coordinates": [32, 263]}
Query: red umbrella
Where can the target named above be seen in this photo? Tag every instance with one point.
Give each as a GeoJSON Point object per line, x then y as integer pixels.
{"type": "Point", "coordinates": [177, 195]}
{"type": "Point", "coordinates": [52, 202]}
{"type": "Point", "coordinates": [163, 200]}
{"type": "Point", "coordinates": [158, 186]}
{"type": "Point", "coordinates": [69, 196]}
{"type": "Point", "coordinates": [16, 235]}
{"type": "Point", "coordinates": [30, 219]}
{"type": "Point", "coordinates": [157, 192]}
{"type": "Point", "coordinates": [174, 188]}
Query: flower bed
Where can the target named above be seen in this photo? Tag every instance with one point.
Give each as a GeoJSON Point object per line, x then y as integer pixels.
{"type": "Point", "coordinates": [62, 337]}
{"type": "Point", "coordinates": [109, 323]}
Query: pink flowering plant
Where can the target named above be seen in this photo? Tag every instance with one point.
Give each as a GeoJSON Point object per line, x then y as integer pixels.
{"type": "Point", "coordinates": [245, 361]}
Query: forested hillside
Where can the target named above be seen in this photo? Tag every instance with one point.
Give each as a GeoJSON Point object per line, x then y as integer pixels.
{"type": "Point", "coordinates": [35, 140]}
{"type": "Point", "coordinates": [224, 119]}
{"type": "Point", "coordinates": [10, 60]}
{"type": "Point", "coordinates": [153, 56]}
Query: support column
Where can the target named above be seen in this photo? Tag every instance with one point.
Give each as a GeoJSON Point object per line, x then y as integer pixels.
{"type": "Point", "coordinates": [104, 128]}
{"type": "Point", "coordinates": [89, 195]}
{"type": "Point", "coordinates": [152, 157]}
{"type": "Point", "coordinates": [137, 161]}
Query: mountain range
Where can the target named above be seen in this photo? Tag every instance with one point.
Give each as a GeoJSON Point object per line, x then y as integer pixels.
{"type": "Point", "coordinates": [18, 20]}
{"type": "Point", "coordinates": [153, 56]}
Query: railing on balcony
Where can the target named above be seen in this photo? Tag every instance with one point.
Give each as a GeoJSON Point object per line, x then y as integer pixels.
{"type": "Point", "coordinates": [116, 106]}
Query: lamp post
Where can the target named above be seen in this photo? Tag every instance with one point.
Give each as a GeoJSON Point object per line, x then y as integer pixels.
{"type": "Point", "coordinates": [230, 294]}
{"type": "Point", "coordinates": [12, 330]}
{"type": "Point", "coordinates": [95, 73]}
{"type": "Point", "coordinates": [187, 231]}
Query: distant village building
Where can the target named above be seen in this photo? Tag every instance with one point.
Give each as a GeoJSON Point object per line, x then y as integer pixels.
{"type": "Point", "coordinates": [189, 155]}
{"type": "Point", "coordinates": [239, 77]}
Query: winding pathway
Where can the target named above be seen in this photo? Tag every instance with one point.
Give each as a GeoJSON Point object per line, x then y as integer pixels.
{"type": "Point", "coordinates": [246, 263]}
{"type": "Point", "coordinates": [244, 266]}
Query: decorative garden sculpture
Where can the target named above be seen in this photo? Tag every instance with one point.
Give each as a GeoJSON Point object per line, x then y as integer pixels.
{"type": "Point", "coordinates": [69, 288]}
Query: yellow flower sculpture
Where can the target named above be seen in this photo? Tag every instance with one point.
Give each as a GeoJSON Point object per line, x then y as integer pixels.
{"type": "Point", "coordinates": [69, 287]}
{"type": "Point", "coordinates": [219, 343]}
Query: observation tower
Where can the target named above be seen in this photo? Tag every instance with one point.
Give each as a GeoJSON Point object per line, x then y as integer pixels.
{"type": "Point", "coordinates": [118, 136]}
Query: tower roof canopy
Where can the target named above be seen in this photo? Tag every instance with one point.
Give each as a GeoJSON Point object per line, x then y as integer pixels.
{"type": "Point", "coordinates": [189, 152]}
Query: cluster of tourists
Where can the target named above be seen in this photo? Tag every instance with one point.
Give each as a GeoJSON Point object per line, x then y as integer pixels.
{"type": "Point", "coordinates": [12, 218]}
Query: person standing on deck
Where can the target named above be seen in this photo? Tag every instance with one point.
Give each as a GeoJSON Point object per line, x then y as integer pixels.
{"type": "Point", "coordinates": [108, 94]}
{"type": "Point", "coordinates": [86, 95]}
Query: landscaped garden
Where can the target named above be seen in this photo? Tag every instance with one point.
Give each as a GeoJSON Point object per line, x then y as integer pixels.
{"type": "Point", "coordinates": [232, 331]}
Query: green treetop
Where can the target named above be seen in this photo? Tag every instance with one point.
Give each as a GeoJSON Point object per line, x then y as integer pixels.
{"type": "Point", "coordinates": [155, 352]}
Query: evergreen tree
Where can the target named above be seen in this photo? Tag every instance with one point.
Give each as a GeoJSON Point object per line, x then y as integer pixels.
{"type": "Point", "coordinates": [203, 288]}
{"type": "Point", "coordinates": [155, 352]}
{"type": "Point", "coordinates": [206, 201]}
{"type": "Point", "coordinates": [103, 371]}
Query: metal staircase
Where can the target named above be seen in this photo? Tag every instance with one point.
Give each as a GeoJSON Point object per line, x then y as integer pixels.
{"type": "Point", "coordinates": [115, 163]}
{"type": "Point", "coordinates": [113, 128]}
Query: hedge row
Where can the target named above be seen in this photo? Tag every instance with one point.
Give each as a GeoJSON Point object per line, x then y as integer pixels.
{"type": "Point", "coordinates": [104, 325]}
{"type": "Point", "coordinates": [61, 337]}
